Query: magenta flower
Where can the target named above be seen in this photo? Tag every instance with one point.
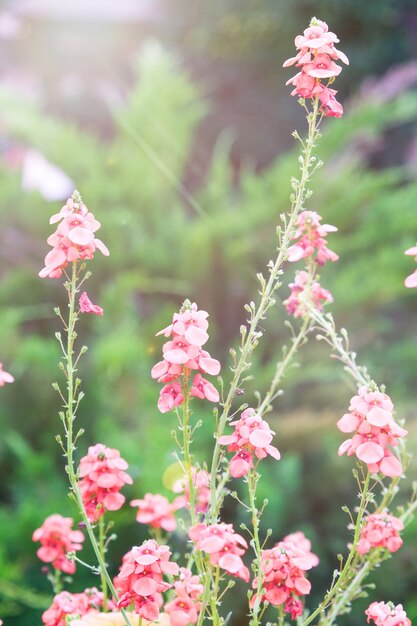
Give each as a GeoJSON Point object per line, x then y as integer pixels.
{"type": "Point", "coordinates": [224, 546]}
{"type": "Point", "coordinates": [284, 568]}
{"type": "Point", "coordinates": [183, 354]}
{"type": "Point", "coordinates": [73, 239]}
{"type": "Point", "coordinates": [316, 58]}
{"type": "Point", "coordinates": [57, 538]}
{"type": "Point", "coordinates": [156, 511]}
{"type": "Point", "coordinates": [411, 281]}
{"type": "Point", "coordinates": [102, 473]}
{"type": "Point", "coordinates": [5, 377]}
{"type": "Point", "coordinates": [86, 306]}
{"type": "Point", "coordinates": [301, 289]}
{"type": "Point", "coordinates": [252, 436]}
{"type": "Point", "coordinates": [380, 530]}
{"type": "Point", "coordinates": [387, 614]}
{"type": "Point", "coordinates": [371, 417]}
{"type": "Point", "coordinates": [140, 579]}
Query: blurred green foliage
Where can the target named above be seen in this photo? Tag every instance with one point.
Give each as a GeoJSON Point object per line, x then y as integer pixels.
{"type": "Point", "coordinates": [167, 245]}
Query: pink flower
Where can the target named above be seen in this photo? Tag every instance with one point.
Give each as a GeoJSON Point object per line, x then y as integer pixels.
{"type": "Point", "coordinates": [140, 579]}
{"type": "Point", "coordinates": [73, 239]}
{"type": "Point", "coordinates": [156, 511]}
{"type": "Point", "coordinates": [182, 354]}
{"type": "Point", "coordinates": [380, 530]}
{"type": "Point", "coordinates": [411, 281]}
{"type": "Point", "coordinates": [5, 377]}
{"type": "Point", "coordinates": [311, 239]}
{"type": "Point", "coordinates": [102, 474]}
{"type": "Point", "coordinates": [182, 611]}
{"type": "Point", "coordinates": [57, 539]}
{"type": "Point", "coordinates": [371, 417]}
{"type": "Point", "coordinates": [252, 436]}
{"type": "Point", "coordinates": [201, 482]}
{"type": "Point", "coordinates": [223, 545]}
{"type": "Point", "coordinates": [316, 58]}
{"type": "Point", "coordinates": [387, 614]}
{"type": "Point", "coordinates": [302, 290]}
{"type": "Point", "coordinates": [284, 568]}
{"type": "Point", "coordinates": [73, 604]}
{"type": "Point", "coordinates": [115, 618]}
{"type": "Point", "coordinates": [86, 306]}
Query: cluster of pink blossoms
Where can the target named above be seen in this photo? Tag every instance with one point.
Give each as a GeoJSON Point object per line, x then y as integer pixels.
{"type": "Point", "coordinates": [74, 605]}
{"type": "Point", "coordinates": [183, 354]}
{"type": "Point", "coordinates": [102, 475]}
{"type": "Point", "coordinates": [201, 483]}
{"type": "Point", "coordinates": [140, 580]}
{"type": "Point", "coordinates": [371, 417]}
{"type": "Point", "coordinates": [311, 242]}
{"type": "Point", "coordinates": [381, 530]}
{"type": "Point", "coordinates": [86, 306]}
{"type": "Point", "coordinates": [318, 296]}
{"type": "Point", "coordinates": [5, 377]}
{"type": "Point", "coordinates": [73, 239]}
{"type": "Point", "coordinates": [185, 607]}
{"type": "Point", "coordinates": [387, 614]}
{"type": "Point", "coordinates": [284, 568]}
{"type": "Point", "coordinates": [411, 281]}
{"type": "Point", "coordinates": [316, 58]}
{"type": "Point", "coordinates": [57, 538]}
{"type": "Point", "coordinates": [157, 511]}
{"type": "Point", "coordinates": [224, 546]}
{"type": "Point", "coordinates": [252, 437]}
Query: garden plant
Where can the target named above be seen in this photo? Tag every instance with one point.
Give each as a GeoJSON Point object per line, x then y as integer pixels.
{"type": "Point", "coordinates": [186, 582]}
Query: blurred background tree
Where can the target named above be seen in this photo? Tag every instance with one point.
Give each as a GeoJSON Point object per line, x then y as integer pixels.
{"type": "Point", "coordinates": [173, 121]}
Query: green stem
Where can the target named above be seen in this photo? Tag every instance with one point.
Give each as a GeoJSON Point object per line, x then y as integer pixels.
{"type": "Point", "coordinates": [346, 573]}
{"type": "Point", "coordinates": [102, 547]}
{"type": "Point", "coordinates": [253, 478]}
{"type": "Point", "coordinates": [252, 336]}
{"type": "Point", "coordinates": [70, 417]}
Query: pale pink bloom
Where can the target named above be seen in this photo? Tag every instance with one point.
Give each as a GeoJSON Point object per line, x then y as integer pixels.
{"type": "Point", "coordinates": [201, 482]}
{"type": "Point", "coordinates": [182, 611]}
{"type": "Point", "coordinates": [330, 106]}
{"type": "Point", "coordinates": [284, 568]}
{"type": "Point", "coordinates": [39, 174]}
{"type": "Point", "coordinates": [140, 579]}
{"type": "Point", "coordinates": [252, 437]}
{"type": "Point", "coordinates": [156, 511]}
{"type": "Point", "coordinates": [182, 354]}
{"type": "Point", "coordinates": [73, 239]}
{"type": "Point", "coordinates": [57, 538]}
{"type": "Point", "coordinates": [86, 306]}
{"type": "Point", "coordinates": [311, 235]}
{"type": "Point", "coordinates": [5, 377]}
{"type": "Point", "coordinates": [380, 530]}
{"type": "Point", "coordinates": [322, 66]}
{"type": "Point", "coordinates": [387, 614]}
{"type": "Point", "coordinates": [411, 281]}
{"type": "Point", "coordinates": [371, 417]}
{"type": "Point", "coordinates": [302, 289]}
{"type": "Point", "coordinates": [102, 475]}
{"type": "Point", "coordinates": [224, 546]}
{"type": "Point", "coordinates": [67, 604]}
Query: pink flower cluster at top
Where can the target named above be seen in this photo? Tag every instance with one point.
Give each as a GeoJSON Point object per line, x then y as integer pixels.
{"type": "Point", "coordinates": [86, 306]}
{"type": "Point", "coordinates": [157, 511]}
{"type": "Point", "coordinates": [5, 377]}
{"type": "Point", "coordinates": [387, 614]}
{"type": "Point", "coordinates": [317, 295]}
{"type": "Point", "coordinates": [371, 417]}
{"type": "Point", "coordinates": [102, 475]}
{"type": "Point", "coordinates": [381, 530]}
{"type": "Point", "coordinates": [140, 580]}
{"type": "Point", "coordinates": [185, 607]}
{"type": "Point", "coordinates": [411, 281]}
{"type": "Point", "coordinates": [311, 236]}
{"type": "Point", "coordinates": [57, 539]}
{"type": "Point", "coordinates": [73, 239]}
{"type": "Point", "coordinates": [284, 568]}
{"type": "Point", "coordinates": [316, 58]}
{"type": "Point", "coordinates": [74, 604]}
{"type": "Point", "coordinates": [201, 482]}
{"type": "Point", "coordinates": [224, 546]}
{"type": "Point", "coordinates": [183, 354]}
{"type": "Point", "coordinates": [252, 437]}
